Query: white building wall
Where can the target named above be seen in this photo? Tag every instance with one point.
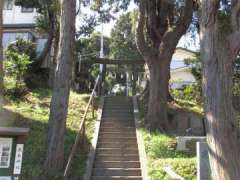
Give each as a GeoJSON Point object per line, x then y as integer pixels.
{"type": "Point", "coordinates": [183, 75]}
{"type": "Point", "coordinates": [16, 16]}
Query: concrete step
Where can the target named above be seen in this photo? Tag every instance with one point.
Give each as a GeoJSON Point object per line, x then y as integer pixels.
{"type": "Point", "coordinates": [116, 177]}
{"type": "Point", "coordinates": [120, 116]}
{"type": "Point", "coordinates": [116, 172]}
{"type": "Point", "coordinates": [117, 135]}
{"type": "Point", "coordinates": [117, 145]}
{"type": "Point", "coordinates": [120, 130]}
{"type": "Point", "coordinates": [116, 123]}
{"type": "Point", "coordinates": [118, 112]}
{"type": "Point", "coordinates": [117, 164]}
{"type": "Point", "coordinates": [121, 140]}
{"type": "Point", "coordinates": [122, 98]}
{"type": "Point", "coordinates": [109, 157]}
{"type": "Point", "coordinates": [114, 115]}
{"type": "Point", "coordinates": [114, 119]}
{"type": "Point", "coordinates": [118, 102]}
{"type": "Point", "coordinates": [119, 151]}
{"type": "Point", "coordinates": [118, 106]}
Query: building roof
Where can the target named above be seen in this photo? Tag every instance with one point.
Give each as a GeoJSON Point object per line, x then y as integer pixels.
{"type": "Point", "coordinates": [18, 26]}
{"type": "Point", "coordinates": [185, 68]}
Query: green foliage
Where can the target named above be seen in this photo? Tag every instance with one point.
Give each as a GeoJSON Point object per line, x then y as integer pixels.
{"type": "Point", "coordinates": [189, 93]}
{"type": "Point", "coordinates": [186, 167]}
{"type": "Point", "coordinates": [87, 26]}
{"type": "Point", "coordinates": [92, 44]}
{"type": "Point", "coordinates": [193, 92]}
{"type": "Point", "coordinates": [16, 64]}
{"type": "Point", "coordinates": [107, 8]}
{"type": "Point", "coordinates": [88, 48]}
{"type": "Point", "coordinates": [23, 47]}
{"type": "Point", "coordinates": [123, 45]}
{"type": "Point", "coordinates": [16, 67]}
{"type": "Point", "coordinates": [19, 56]}
{"type": "Point", "coordinates": [196, 67]}
{"type": "Point", "coordinates": [161, 152]}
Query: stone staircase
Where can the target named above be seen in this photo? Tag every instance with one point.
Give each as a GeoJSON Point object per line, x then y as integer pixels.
{"type": "Point", "coordinates": [117, 154]}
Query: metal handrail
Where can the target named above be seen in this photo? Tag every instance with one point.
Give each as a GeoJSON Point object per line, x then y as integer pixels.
{"type": "Point", "coordinates": [81, 128]}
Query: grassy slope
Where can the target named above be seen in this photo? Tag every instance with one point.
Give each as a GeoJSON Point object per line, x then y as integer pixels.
{"type": "Point", "coordinates": [33, 112]}
{"type": "Point", "coordinates": [160, 153]}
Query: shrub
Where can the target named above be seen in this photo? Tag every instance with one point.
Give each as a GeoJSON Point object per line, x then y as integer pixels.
{"type": "Point", "coordinates": [19, 55]}
{"type": "Point", "coordinates": [16, 67]}
{"type": "Point", "coordinates": [189, 93]}
{"type": "Point", "coordinates": [23, 47]}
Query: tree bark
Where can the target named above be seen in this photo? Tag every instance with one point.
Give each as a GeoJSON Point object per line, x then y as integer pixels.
{"type": "Point", "coordinates": [52, 69]}
{"type": "Point", "coordinates": [59, 104]}
{"type": "Point", "coordinates": [222, 126]}
{"type": "Point", "coordinates": [1, 49]}
{"type": "Point", "coordinates": [157, 116]}
{"type": "Point", "coordinates": [169, 95]}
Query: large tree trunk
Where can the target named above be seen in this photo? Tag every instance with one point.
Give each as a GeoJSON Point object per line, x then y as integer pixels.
{"type": "Point", "coordinates": [157, 116]}
{"type": "Point", "coordinates": [1, 48]}
{"type": "Point", "coordinates": [59, 104]}
{"type": "Point", "coordinates": [222, 126]}
{"type": "Point", "coordinates": [164, 29]}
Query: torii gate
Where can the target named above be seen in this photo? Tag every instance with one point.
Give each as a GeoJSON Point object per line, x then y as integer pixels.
{"type": "Point", "coordinates": [105, 62]}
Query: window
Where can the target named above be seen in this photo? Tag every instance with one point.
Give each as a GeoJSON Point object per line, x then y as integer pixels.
{"type": "Point", "coordinates": [8, 5]}
{"type": "Point", "coordinates": [5, 178]}
{"type": "Point", "coordinates": [5, 152]}
{"type": "Point", "coordinates": [27, 10]}
{"type": "Point", "coordinates": [10, 37]}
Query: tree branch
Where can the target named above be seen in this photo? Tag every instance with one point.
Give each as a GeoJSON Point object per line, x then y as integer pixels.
{"type": "Point", "coordinates": [173, 35]}
{"type": "Point", "coordinates": [141, 42]}
{"type": "Point", "coordinates": [234, 39]}
{"type": "Point", "coordinates": [235, 15]}
{"type": "Point", "coordinates": [153, 21]}
{"type": "Point", "coordinates": [234, 42]}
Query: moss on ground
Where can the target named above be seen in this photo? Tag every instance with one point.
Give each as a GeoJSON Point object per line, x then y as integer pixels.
{"type": "Point", "coordinates": [33, 111]}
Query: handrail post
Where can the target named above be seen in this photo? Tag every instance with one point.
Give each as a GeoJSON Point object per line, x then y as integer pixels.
{"type": "Point", "coordinates": [83, 136]}
{"type": "Point", "coordinates": [93, 108]}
